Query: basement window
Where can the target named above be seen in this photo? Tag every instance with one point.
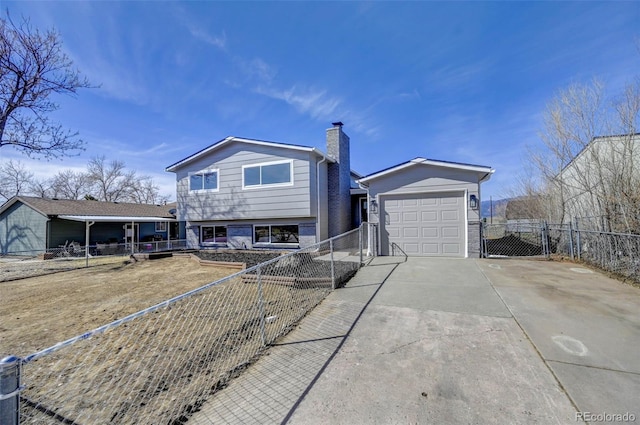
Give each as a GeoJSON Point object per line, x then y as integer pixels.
{"type": "Point", "coordinates": [276, 234]}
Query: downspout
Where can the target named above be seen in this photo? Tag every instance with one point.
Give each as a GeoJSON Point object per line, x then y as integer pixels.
{"type": "Point", "coordinates": [319, 224]}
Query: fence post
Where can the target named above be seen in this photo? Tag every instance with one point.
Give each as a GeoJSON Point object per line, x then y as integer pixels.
{"type": "Point", "coordinates": [261, 306]}
{"type": "Point", "coordinates": [10, 391]}
{"type": "Point", "coordinates": [578, 244]}
{"type": "Point", "coordinates": [333, 271]}
{"type": "Point", "coordinates": [571, 240]}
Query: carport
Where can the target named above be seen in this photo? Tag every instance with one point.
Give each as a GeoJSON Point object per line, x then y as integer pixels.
{"type": "Point", "coordinates": [131, 236]}
{"type": "Point", "coordinates": [427, 207]}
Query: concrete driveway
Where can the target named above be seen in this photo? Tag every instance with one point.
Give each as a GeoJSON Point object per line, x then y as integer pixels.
{"type": "Point", "coordinates": [451, 341]}
{"type": "Point", "coordinates": [585, 326]}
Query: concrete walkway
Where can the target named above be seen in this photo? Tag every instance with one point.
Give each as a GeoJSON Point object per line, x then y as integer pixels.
{"type": "Point", "coordinates": [433, 341]}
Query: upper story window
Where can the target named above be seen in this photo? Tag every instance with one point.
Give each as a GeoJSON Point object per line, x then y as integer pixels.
{"type": "Point", "coordinates": [267, 174]}
{"type": "Point", "coordinates": [203, 180]}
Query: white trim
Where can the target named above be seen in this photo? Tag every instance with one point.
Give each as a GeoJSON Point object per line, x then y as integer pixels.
{"type": "Point", "coordinates": [166, 227]}
{"type": "Point", "coordinates": [288, 244]}
{"type": "Point", "coordinates": [231, 139]}
{"type": "Point", "coordinates": [424, 161]}
{"type": "Point", "coordinates": [261, 164]}
{"type": "Point", "coordinates": [203, 172]}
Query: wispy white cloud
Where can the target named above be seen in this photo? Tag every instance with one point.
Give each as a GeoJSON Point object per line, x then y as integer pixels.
{"type": "Point", "coordinates": [255, 70]}
{"type": "Point", "coordinates": [307, 100]}
{"type": "Point", "coordinates": [219, 41]}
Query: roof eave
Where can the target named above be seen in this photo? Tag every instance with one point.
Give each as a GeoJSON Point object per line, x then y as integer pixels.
{"type": "Point", "coordinates": [174, 167]}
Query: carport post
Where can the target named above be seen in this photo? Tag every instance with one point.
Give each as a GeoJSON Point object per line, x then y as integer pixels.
{"type": "Point", "coordinates": [10, 391]}
{"type": "Point", "coordinates": [88, 224]}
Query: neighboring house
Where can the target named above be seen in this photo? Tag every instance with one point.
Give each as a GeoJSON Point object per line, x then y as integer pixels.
{"type": "Point", "coordinates": [246, 193]}
{"type": "Point", "coordinates": [31, 224]}
{"type": "Point", "coordinates": [601, 182]}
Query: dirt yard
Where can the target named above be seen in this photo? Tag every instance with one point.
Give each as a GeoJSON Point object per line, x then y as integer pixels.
{"type": "Point", "coordinates": [38, 312]}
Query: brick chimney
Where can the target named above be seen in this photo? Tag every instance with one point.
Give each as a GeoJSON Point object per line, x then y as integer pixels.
{"type": "Point", "coordinates": [339, 176]}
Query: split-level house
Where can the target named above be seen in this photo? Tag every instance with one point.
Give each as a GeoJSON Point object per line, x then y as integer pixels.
{"type": "Point", "coordinates": [245, 193]}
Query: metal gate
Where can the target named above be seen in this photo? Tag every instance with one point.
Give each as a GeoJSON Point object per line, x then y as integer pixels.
{"type": "Point", "coordinates": [516, 239]}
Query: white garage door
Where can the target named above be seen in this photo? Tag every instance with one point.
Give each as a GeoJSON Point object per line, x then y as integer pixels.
{"type": "Point", "coordinates": [424, 224]}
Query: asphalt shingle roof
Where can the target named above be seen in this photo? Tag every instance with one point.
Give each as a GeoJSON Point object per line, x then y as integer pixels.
{"type": "Point", "coordinates": [95, 208]}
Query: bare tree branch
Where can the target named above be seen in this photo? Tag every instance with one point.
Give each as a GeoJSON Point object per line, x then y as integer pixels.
{"type": "Point", "coordinates": [33, 67]}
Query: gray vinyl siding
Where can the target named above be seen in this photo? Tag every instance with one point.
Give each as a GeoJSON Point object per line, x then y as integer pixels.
{"type": "Point", "coordinates": [231, 201]}
{"type": "Point", "coordinates": [63, 231]}
{"type": "Point", "coordinates": [420, 179]}
{"type": "Point", "coordinates": [22, 230]}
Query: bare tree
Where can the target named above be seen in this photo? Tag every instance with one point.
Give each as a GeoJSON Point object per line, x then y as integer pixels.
{"type": "Point", "coordinates": [146, 191]}
{"type": "Point", "coordinates": [33, 66]}
{"type": "Point", "coordinates": [14, 179]}
{"type": "Point", "coordinates": [41, 188]}
{"type": "Point", "coordinates": [589, 164]}
{"type": "Point", "coordinates": [69, 184]}
{"type": "Point", "coordinates": [110, 180]}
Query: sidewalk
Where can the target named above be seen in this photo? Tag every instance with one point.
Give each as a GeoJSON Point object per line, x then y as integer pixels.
{"type": "Point", "coordinates": [422, 341]}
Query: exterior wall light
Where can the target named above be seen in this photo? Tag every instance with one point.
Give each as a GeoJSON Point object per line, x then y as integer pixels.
{"type": "Point", "coordinates": [374, 206]}
{"type": "Point", "coordinates": [473, 202]}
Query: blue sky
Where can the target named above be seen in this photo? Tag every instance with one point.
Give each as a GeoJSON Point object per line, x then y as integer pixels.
{"type": "Point", "coordinates": [455, 81]}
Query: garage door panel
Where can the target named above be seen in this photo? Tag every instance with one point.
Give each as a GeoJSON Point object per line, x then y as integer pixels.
{"type": "Point", "coordinates": [429, 232]}
{"type": "Point", "coordinates": [450, 201]}
{"type": "Point", "coordinates": [426, 224]}
{"type": "Point", "coordinates": [430, 249]}
{"type": "Point", "coordinates": [450, 215]}
{"type": "Point", "coordinates": [429, 216]}
{"type": "Point", "coordinates": [410, 217]}
{"type": "Point", "coordinates": [410, 232]}
{"type": "Point", "coordinates": [450, 232]}
{"type": "Point", "coordinates": [452, 249]}
{"type": "Point", "coordinates": [411, 248]}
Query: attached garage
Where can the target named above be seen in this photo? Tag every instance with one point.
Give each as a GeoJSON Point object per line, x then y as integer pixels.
{"type": "Point", "coordinates": [427, 208]}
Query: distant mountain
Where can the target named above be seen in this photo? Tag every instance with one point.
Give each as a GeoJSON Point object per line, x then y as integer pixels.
{"type": "Point", "coordinates": [499, 208]}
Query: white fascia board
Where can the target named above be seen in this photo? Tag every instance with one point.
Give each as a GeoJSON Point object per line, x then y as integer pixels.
{"type": "Point", "coordinates": [424, 161]}
{"type": "Point", "coordinates": [230, 139]}
{"type": "Point", "coordinates": [118, 219]}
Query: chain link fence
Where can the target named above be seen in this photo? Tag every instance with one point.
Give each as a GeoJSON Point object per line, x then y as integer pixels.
{"type": "Point", "coordinates": [71, 256]}
{"type": "Point", "coordinates": [618, 253]}
{"type": "Point", "coordinates": [161, 364]}
{"type": "Point", "coordinates": [513, 240]}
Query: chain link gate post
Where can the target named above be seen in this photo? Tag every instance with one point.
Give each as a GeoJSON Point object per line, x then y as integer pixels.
{"type": "Point", "coordinates": [571, 247]}
{"type": "Point", "coordinates": [578, 244]}
{"type": "Point", "coordinates": [10, 391]}
{"type": "Point", "coordinates": [333, 270]}
{"type": "Point", "coordinates": [360, 242]}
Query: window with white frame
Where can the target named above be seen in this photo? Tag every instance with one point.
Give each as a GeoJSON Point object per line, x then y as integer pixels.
{"type": "Point", "coordinates": [272, 234]}
{"type": "Point", "coordinates": [213, 235]}
{"type": "Point", "coordinates": [278, 173]}
{"type": "Point", "coordinates": [161, 226]}
{"type": "Point", "coordinates": [203, 180]}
